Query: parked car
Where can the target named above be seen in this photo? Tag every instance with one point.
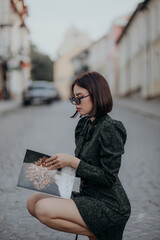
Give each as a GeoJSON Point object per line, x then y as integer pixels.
{"type": "Point", "coordinates": [40, 92]}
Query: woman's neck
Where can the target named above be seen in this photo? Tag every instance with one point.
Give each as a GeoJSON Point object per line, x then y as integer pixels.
{"type": "Point", "coordinates": [92, 119]}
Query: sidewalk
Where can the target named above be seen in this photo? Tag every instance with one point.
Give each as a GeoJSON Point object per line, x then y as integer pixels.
{"type": "Point", "coordinates": [8, 105]}
{"type": "Point", "coordinates": [134, 103]}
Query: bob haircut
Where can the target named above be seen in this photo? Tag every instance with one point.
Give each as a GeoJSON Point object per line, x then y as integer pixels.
{"type": "Point", "coordinates": [99, 92]}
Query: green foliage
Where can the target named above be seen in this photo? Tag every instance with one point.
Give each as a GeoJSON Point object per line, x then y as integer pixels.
{"type": "Point", "coordinates": [42, 65]}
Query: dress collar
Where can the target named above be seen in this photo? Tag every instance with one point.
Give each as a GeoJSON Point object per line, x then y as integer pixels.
{"type": "Point", "coordinates": [97, 119]}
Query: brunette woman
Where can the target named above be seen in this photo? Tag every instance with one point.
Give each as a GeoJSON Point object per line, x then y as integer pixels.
{"type": "Point", "coordinates": [101, 209]}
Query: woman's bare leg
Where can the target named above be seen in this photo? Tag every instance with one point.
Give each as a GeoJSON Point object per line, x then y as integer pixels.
{"type": "Point", "coordinates": [59, 214]}
{"type": "Point", "coordinates": [67, 226]}
{"type": "Point", "coordinates": [33, 199]}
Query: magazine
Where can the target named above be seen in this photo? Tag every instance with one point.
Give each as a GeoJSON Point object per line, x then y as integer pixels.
{"type": "Point", "coordinates": [36, 176]}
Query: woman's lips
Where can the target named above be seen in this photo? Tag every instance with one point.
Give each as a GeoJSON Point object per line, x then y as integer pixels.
{"type": "Point", "coordinates": [78, 109]}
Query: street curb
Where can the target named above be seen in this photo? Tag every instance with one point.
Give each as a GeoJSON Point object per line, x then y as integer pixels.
{"type": "Point", "coordinates": [139, 111]}
{"type": "Point", "coordinates": [10, 108]}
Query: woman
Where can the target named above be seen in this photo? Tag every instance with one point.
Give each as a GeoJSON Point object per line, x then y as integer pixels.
{"type": "Point", "coordinates": [101, 209]}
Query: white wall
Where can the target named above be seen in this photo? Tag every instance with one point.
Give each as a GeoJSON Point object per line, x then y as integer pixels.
{"type": "Point", "coordinates": [4, 28]}
{"type": "Point", "coordinates": [139, 53]}
{"type": "Point", "coordinates": [4, 11]}
{"type": "Point", "coordinates": [97, 60]}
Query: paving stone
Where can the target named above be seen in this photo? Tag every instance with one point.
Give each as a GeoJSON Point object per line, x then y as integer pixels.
{"type": "Point", "coordinates": [139, 173]}
{"type": "Point", "coordinates": [6, 235]}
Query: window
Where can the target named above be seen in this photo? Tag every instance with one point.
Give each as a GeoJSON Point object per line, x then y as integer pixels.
{"type": "Point", "coordinates": [157, 66]}
{"type": "Point", "coordinates": [156, 21]}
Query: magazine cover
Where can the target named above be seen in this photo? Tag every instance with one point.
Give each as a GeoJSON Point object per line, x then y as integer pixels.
{"type": "Point", "coordinates": [36, 176]}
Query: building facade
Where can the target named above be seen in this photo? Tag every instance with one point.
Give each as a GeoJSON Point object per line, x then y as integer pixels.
{"type": "Point", "coordinates": [74, 42]}
{"type": "Point", "coordinates": [14, 49]}
{"type": "Point", "coordinates": [112, 55]}
{"type": "Point", "coordinates": [102, 55]}
{"type": "Point", "coordinates": [93, 58]}
{"type": "Point", "coordinates": [139, 52]}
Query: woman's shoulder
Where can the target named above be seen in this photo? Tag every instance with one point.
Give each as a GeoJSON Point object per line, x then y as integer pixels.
{"type": "Point", "coordinates": [112, 128]}
{"type": "Point", "coordinates": [109, 121]}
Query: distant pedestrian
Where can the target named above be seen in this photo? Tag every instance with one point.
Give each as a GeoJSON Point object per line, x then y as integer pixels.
{"type": "Point", "coordinates": [101, 209]}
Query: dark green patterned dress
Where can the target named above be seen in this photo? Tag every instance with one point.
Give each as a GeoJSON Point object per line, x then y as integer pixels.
{"type": "Point", "coordinates": [102, 201]}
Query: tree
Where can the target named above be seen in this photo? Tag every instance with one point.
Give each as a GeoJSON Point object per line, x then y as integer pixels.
{"type": "Point", "coordinates": [42, 65]}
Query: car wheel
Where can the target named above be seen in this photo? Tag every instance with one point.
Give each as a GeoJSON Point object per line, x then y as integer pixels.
{"type": "Point", "coordinates": [26, 103]}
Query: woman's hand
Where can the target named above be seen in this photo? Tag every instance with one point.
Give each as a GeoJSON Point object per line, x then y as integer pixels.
{"type": "Point", "coordinates": [62, 160]}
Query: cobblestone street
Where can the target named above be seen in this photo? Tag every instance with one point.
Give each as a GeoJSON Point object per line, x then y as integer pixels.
{"type": "Point", "coordinates": [49, 129]}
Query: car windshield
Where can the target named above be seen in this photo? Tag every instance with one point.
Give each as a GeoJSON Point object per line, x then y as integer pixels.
{"type": "Point", "coordinates": [42, 86]}
{"type": "Point", "coordinates": [37, 87]}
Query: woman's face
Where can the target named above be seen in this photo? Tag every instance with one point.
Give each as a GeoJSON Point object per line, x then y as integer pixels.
{"type": "Point", "coordinates": [86, 104]}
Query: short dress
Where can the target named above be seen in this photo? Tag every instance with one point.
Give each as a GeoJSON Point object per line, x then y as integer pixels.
{"type": "Point", "coordinates": [101, 201]}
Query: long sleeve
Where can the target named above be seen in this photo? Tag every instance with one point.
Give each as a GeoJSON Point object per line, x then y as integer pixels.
{"type": "Point", "coordinates": [111, 140]}
{"type": "Point", "coordinates": [79, 128]}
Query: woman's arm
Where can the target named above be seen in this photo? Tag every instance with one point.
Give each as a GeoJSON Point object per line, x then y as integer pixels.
{"type": "Point", "coordinates": [62, 160]}
{"type": "Point", "coordinates": [111, 140]}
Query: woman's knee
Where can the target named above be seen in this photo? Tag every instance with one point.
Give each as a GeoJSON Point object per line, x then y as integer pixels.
{"type": "Point", "coordinates": [31, 203]}
{"type": "Point", "coordinates": [40, 211]}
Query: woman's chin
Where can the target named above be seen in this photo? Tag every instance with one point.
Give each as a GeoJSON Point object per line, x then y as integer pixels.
{"type": "Point", "coordinates": [80, 114]}
{"type": "Point", "coordinates": [83, 114]}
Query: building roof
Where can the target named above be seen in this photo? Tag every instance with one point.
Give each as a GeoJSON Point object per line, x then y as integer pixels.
{"type": "Point", "coordinates": [141, 6]}
{"type": "Point", "coordinates": [22, 13]}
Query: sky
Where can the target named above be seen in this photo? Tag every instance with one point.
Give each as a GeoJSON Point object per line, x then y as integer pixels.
{"type": "Point", "coordinates": [48, 20]}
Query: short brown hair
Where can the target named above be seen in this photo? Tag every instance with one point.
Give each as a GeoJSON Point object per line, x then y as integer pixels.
{"type": "Point", "coordinates": [99, 91]}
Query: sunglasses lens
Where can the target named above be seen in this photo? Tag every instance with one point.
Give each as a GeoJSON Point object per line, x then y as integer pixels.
{"type": "Point", "coordinates": [70, 100]}
{"type": "Point", "coordinates": [77, 101]}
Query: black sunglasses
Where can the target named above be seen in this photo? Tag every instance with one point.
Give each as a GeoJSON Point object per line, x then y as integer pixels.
{"type": "Point", "coordinates": [77, 100]}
